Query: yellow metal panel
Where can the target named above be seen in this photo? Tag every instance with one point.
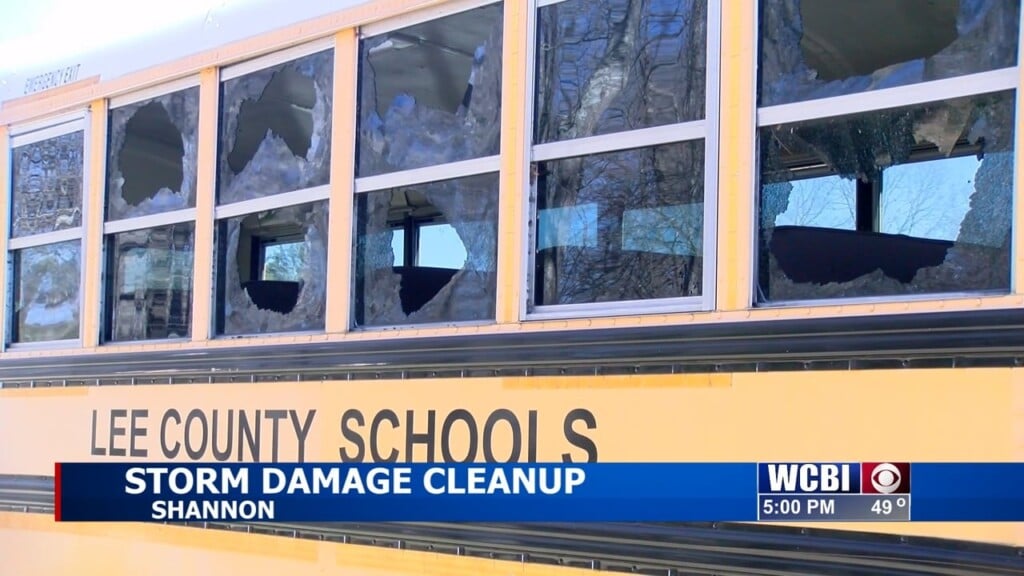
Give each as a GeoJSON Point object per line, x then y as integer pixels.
{"type": "Point", "coordinates": [206, 183]}
{"type": "Point", "coordinates": [736, 156]}
{"type": "Point", "coordinates": [34, 544]}
{"type": "Point", "coordinates": [92, 258]}
{"type": "Point", "coordinates": [5, 204]}
{"type": "Point", "coordinates": [513, 187]}
{"type": "Point", "coordinates": [343, 138]}
{"type": "Point", "coordinates": [902, 415]}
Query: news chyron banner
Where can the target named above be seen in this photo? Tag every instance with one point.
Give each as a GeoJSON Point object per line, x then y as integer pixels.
{"type": "Point", "coordinates": [788, 491]}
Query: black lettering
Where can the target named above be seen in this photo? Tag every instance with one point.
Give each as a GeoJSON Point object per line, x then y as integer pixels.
{"type": "Point", "coordinates": [193, 416]}
{"type": "Point", "coordinates": [94, 449]}
{"type": "Point", "coordinates": [218, 454]}
{"type": "Point", "coordinates": [575, 438]}
{"type": "Point", "coordinates": [446, 436]}
{"type": "Point", "coordinates": [412, 438]}
{"type": "Point", "coordinates": [248, 435]}
{"type": "Point", "coordinates": [352, 436]}
{"type": "Point", "coordinates": [137, 432]}
{"type": "Point", "coordinates": [168, 452]}
{"type": "Point", "coordinates": [502, 415]}
{"type": "Point", "coordinates": [380, 417]}
{"type": "Point", "coordinates": [275, 440]}
{"type": "Point", "coordinates": [116, 431]}
{"type": "Point", "coordinates": [531, 435]}
{"type": "Point", "coordinates": [302, 430]}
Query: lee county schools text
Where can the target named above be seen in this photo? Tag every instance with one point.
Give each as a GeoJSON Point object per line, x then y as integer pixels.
{"type": "Point", "coordinates": [439, 480]}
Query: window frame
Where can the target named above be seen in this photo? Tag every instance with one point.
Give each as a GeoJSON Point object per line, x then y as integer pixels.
{"type": "Point", "coordinates": [242, 208]}
{"type": "Point", "coordinates": [418, 176]}
{"type": "Point", "coordinates": [706, 129]}
{"type": "Point", "coordinates": [111, 228]}
{"type": "Point", "coordinates": [879, 100]}
{"type": "Point", "coordinates": [26, 134]}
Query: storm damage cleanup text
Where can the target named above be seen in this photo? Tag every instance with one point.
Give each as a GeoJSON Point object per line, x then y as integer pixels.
{"type": "Point", "coordinates": [230, 487]}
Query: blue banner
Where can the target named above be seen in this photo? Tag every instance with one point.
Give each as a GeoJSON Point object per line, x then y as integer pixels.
{"type": "Point", "coordinates": [537, 492]}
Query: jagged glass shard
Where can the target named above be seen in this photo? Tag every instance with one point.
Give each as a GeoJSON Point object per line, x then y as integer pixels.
{"type": "Point", "coordinates": [275, 130]}
{"type": "Point", "coordinates": [431, 93]}
{"type": "Point", "coordinates": [608, 66]}
{"type": "Point", "coordinates": [47, 185]}
{"type": "Point", "coordinates": [272, 270]}
{"type": "Point", "coordinates": [620, 226]}
{"type": "Point", "coordinates": [818, 49]}
{"type": "Point", "coordinates": [150, 290]}
{"type": "Point", "coordinates": [427, 253]}
{"type": "Point", "coordinates": [941, 175]}
{"type": "Point", "coordinates": [47, 281]}
{"type": "Point", "coordinates": [151, 155]}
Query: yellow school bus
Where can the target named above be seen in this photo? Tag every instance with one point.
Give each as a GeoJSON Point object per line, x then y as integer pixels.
{"type": "Point", "coordinates": [536, 230]}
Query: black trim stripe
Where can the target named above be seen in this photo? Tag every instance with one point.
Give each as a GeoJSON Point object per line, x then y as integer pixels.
{"type": "Point", "coordinates": [941, 340]}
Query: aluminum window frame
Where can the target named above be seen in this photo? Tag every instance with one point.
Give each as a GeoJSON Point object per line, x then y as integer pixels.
{"type": "Point", "coordinates": [480, 166]}
{"type": "Point", "coordinates": [706, 129]}
{"type": "Point", "coordinates": [31, 133]}
{"type": "Point", "coordinates": [240, 208]}
{"type": "Point", "coordinates": [975, 84]}
{"type": "Point", "coordinates": [113, 227]}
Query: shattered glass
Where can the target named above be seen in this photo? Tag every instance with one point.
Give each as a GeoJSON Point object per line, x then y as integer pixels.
{"type": "Point", "coordinates": [620, 226]}
{"type": "Point", "coordinates": [151, 156]}
{"type": "Point", "coordinates": [943, 176]}
{"type": "Point", "coordinates": [47, 185]}
{"type": "Point", "coordinates": [442, 268]}
{"type": "Point", "coordinates": [817, 49]}
{"type": "Point", "coordinates": [431, 93]}
{"type": "Point", "coordinates": [609, 66]}
{"type": "Point", "coordinates": [276, 129]}
{"type": "Point", "coordinates": [47, 281]}
{"type": "Point", "coordinates": [263, 288]}
{"type": "Point", "coordinates": [150, 291]}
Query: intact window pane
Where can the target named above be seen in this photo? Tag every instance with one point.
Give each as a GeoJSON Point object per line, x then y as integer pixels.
{"type": "Point", "coordinates": [47, 281]}
{"type": "Point", "coordinates": [275, 129]}
{"type": "Point", "coordinates": [608, 66]}
{"type": "Point", "coordinates": [272, 270]}
{"type": "Point", "coordinates": [621, 226]}
{"type": "Point", "coordinates": [151, 156]}
{"type": "Point", "coordinates": [820, 48]}
{"type": "Point", "coordinates": [914, 200]}
{"type": "Point", "coordinates": [431, 93]}
{"type": "Point", "coordinates": [149, 294]}
{"type": "Point", "coordinates": [454, 226]}
{"type": "Point", "coordinates": [47, 185]}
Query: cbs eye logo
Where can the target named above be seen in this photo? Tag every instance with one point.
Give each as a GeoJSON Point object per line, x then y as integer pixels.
{"type": "Point", "coordinates": [885, 478]}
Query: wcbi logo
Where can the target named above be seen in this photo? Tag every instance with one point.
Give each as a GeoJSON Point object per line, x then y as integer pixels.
{"type": "Point", "coordinates": [834, 478]}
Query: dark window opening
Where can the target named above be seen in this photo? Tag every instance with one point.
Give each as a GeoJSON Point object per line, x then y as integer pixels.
{"type": "Point", "coordinates": [427, 253]}
{"type": "Point", "coordinates": [912, 200]}
{"type": "Point", "coordinates": [275, 129]}
{"type": "Point", "coordinates": [151, 157]}
{"type": "Point", "coordinates": [821, 48]}
{"type": "Point", "coordinates": [284, 109]}
{"type": "Point", "coordinates": [431, 93]}
{"type": "Point", "coordinates": [272, 270]}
